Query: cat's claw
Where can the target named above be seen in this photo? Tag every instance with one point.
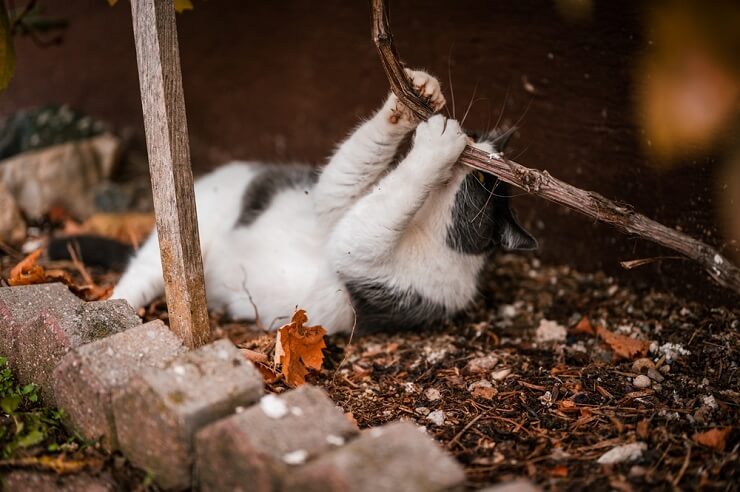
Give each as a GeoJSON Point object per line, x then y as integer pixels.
{"type": "Point", "coordinates": [427, 87]}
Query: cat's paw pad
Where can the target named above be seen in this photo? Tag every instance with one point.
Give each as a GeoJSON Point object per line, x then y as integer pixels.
{"type": "Point", "coordinates": [427, 86]}
{"type": "Point", "coordinates": [442, 138]}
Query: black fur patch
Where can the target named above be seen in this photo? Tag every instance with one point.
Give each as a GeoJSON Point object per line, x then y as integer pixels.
{"type": "Point", "coordinates": [379, 307]}
{"type": "Point", "coordinates": [267, 184]}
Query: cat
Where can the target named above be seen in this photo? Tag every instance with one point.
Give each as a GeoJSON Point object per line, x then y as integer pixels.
{"type": "Point", "coordinates": [369, 242]}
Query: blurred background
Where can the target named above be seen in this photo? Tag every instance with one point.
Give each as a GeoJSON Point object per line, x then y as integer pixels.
{"type": "Point", "coordinates": [639, 101]}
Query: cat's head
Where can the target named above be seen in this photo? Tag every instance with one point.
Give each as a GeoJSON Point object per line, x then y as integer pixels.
{"type": "Point", "coordinates": [482, 217]}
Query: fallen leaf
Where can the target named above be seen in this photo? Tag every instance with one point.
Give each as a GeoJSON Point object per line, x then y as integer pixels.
{"type": "Point", "coordinates": [713, 438]}
{"type": "Point", "coordinates": [560, 471]}
{"type": "Point", "coordinates": [584, 326]}
{"type": "Point", "coordinates": [27, 272]}
{"type": "Point", "coordinates": [130, 227]}
{"type": "Point", "coordinates": [623, 346]}
{"type": "Point", "coordinates": [260, 361]}
{"type": "Point", "coordinates": [298, 349]}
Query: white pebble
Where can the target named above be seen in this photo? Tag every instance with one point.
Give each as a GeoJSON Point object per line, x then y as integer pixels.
{"type": "Point", "coordinates": [501, 374]}
{"type": "Point", "coordinates": [297, 457]}
{"type": "Point", "coordinates": [437, 417]}
{"type": "Point", "coordinates": [641, 381]}
{"type": "Point", "coordinates": [432, 394]}
{"type": "Point", "coordinates": [550, 331]}
{"type": "Point", "coordinates": [620, 454]}
{"type": "Point", "coordinates": [273, 407]}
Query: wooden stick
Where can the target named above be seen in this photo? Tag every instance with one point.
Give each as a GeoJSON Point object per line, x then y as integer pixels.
{"type": "Point", "coordinates": [541, 184]}
{"type": "Point", "coordinates": [163, 103]}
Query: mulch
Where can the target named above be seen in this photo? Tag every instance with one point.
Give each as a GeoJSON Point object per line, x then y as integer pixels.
{"type": "Point", "coordinates": [507, 403]}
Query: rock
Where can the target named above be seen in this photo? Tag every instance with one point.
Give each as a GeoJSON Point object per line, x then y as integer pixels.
{"type": "Point", "coordinates": [160, 409]}
{"type": "Point", "coordinates": [255, 449]}
{"type": "Point", "coordinates": [87, 376]}
{"type": "Point", "coordinates": [12, 226]}
{"type": "Point", "coordinates": [621, 454]}
{"type": "Point", "coordinates": [436, 417]}
{"type": "Point", "coordinates": [655, 375]}
{"type": "Point", "coordinates": [641, 381]}
{"type": "Point", "coordinates": [481, 364]}
{"type": "Point", "coordinates": [62, 175]}
{"type": "Point", "coordinates": [482, 389]}
{"type": "Point", "coordinates": [395, 457]}
{"type": "Point", "coordinates": [550, 332]}
{"type": "Point", "coordinates": [501, 374]}
{"type": "Point", "coordinates": [432, 394]}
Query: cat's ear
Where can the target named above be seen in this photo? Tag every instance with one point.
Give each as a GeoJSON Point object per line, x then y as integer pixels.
{"type": "Point", "coordinates": [512, 236]}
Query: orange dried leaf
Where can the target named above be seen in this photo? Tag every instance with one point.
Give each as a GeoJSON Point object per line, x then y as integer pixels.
{"type": "Point", "coordinates": [584, 326]}
{"type": "Point", "coordinates": [27, 272]}
{"type": "Point", "coordinates": [623, 346]}
{"type": "Point", "coordinates": [298, 349]}
{"type": "Point", "coordinates": [713, 438]}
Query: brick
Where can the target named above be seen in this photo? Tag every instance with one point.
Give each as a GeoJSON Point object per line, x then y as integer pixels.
{"type": "Point", "coordinates": [33, 481]}
{"type": "Point", "coordinates": [43, 322]}
{"type": "Point", "coordinates": [394, 457]}
{"type": "Point", "coordinates": [85, 379]}
{"type": "Point", "coordinates": [158, 412]}
{"type": "Point", "coordinates": [254, 449]}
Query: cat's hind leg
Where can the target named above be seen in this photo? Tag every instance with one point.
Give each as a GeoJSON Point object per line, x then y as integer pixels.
{"type": "Point", "coordinates": [142, 282]}
{"type": "Point", "coordinates": [360, 160]}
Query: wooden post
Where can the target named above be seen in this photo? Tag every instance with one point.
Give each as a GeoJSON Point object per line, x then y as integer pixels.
{"type": "Point", "coordinates": [163, 103]}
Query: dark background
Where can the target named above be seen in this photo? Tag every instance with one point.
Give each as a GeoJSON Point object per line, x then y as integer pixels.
{"type": "Point", "coordinates": [283, 81]}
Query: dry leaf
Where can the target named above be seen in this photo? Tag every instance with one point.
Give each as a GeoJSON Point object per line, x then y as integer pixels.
{"type": "Point", "coordinates": [713, 438]}
{"type": "Point", "coordinates": [298, 349]}
{"type": "Point", "coordinates": [623, 346]}
{"type": "Point", "coordinates": [130, 228]}
{"type": "Point", "coordinates": [584, 326]}
{"type": "Point", "coordinates": [260, 361]}
{"type": "Point", "coordinates": [27, 272]}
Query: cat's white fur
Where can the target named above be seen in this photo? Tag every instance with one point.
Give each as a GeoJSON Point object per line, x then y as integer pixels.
{"type": "Point", "coordinates": [360, 221]}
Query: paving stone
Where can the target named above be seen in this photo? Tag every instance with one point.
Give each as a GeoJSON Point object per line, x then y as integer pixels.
{"type": "Point", "coordinates": [87, 376]}
{"type": "Point", "coordinates": [33, 481]}
{"type": "Point", "coordinates": [394, 457]}
{"type": "Point", "coordinates": [158, 412]}
{"type": "Point", "coordinates": [41, 323]}
{"type": "Point", "coordinates": [254, 449]}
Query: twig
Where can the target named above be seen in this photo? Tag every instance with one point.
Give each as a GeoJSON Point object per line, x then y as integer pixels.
{"type": "Point", "coordinates": [541, 184]}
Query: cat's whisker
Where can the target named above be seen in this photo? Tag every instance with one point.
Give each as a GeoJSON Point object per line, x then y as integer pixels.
{"type": "Point", "coordinates": [449, 80]}
{"type": "Point", "coordinates": [470, 104]}
{"type": "Point", "coordinates": [502, 110]}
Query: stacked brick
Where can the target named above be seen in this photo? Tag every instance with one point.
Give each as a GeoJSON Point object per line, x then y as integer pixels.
{"type": "Point", "coordinates": [199, 419]}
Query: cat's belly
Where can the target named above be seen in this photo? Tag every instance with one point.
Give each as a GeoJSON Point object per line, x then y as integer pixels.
{"type": "Point", "coordinates": [279, 260]}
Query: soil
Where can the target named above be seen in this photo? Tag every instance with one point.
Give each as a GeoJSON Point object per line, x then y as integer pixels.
{"type": "Point", "coordinates": [507, 401]}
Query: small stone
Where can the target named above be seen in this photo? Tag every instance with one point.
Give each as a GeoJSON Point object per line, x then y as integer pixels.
{"type": "Point", "coordinates": [159, 410]}
{"type": "Point", "coordinates": [655, 375]}
{"type": "Point", "coordinates": [481, 364]}
{"type": "Point", "coordinates": [396, 457]}
{"type": "Point", "coordinates": [482, 389]}
{"type": "Point", "coordinates": [665, 368]}
{"type": "Point", "coordinates": [642, 365]}
{"type": "Point", "coordinates": [432, 394]}
{"type": "Point", "coordinates": [550, 332]}
{"type": "Point", "coordinates": [422, 411]}
{"type": "Point", "coordinates": [624, 453]}
{"type": "Point", "coordinates": [501, 374]}
{"type": "Point", "coordinates": [437, 417]}
{"type": "Point", "coordinates": [641, 381]}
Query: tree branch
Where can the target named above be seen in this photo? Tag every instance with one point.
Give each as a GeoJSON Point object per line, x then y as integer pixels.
{"type": "Point", "coordinates": [541, 184]}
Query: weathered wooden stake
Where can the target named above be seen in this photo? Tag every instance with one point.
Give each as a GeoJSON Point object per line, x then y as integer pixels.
{"type": "Point", "coordinates": [162, 99]}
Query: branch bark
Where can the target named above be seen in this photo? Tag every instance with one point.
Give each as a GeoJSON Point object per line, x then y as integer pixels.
{"type": "Point", "coordinates": [542, 184]}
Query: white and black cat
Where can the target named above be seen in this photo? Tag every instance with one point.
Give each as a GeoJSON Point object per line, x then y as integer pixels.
{"type": "Point", "coordinates": [364, 240]}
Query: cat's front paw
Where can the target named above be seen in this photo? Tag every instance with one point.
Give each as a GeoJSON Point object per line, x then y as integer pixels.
{"type": "Point", "coordinates": [440, 140]}
{"type": "Point", "coordinates": [427, 87]}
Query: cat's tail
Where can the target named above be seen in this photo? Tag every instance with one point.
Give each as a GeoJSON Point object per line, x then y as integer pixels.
{"type": "Point", "coordinates": [92, 250]}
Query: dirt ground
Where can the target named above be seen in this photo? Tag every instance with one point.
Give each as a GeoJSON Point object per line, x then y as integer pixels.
{"type": "Point", "coordinates": [528, 382]}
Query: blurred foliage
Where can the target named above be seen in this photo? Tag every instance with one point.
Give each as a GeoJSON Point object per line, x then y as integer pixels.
{"type": "Point", "coordinates": [689, 80]}
{"type": "Point", "coordinates": [24, 422]}
{"type": "Point", "coordinates": [180, 5]}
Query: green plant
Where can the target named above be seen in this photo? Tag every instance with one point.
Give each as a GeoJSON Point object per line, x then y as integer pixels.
{"type": "Point", "coordinates": [24, 422]}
